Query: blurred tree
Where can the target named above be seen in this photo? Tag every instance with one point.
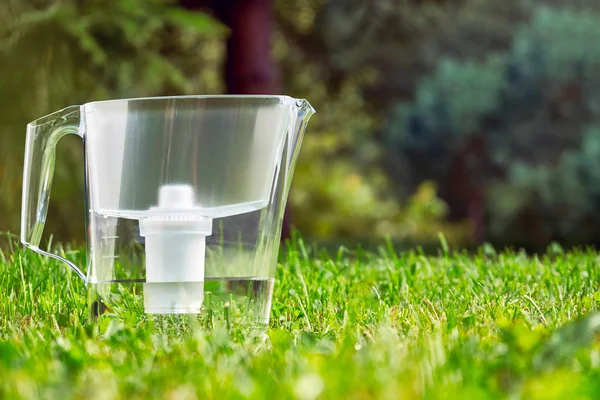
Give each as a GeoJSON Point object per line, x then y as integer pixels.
{"type": "Point", "coordinates": [339, 189]}
{"type": "Point", "coordinates": [451, 64]}
{"type": "Point", "coordinates": [249, 68]}
{"type": "Point", "coordinates": [56, 53]}
{"type": "Point", "coordinates": [397, 43]}
{"type": "Point", "coordinates": [400, 39]}
{"type": "Point", "coordinates": [523, 124]}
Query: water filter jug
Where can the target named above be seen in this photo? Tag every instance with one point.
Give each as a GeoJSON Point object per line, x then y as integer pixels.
{"type": "Point", "coordinates": [184, 197]}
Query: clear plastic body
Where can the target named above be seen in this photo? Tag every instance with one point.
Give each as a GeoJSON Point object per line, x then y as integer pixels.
{"type": "Point", "coordinates": [185, 197]}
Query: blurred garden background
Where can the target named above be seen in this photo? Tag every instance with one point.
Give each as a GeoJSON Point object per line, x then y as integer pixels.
{"type": "Point", "coordinates": [478, 119]}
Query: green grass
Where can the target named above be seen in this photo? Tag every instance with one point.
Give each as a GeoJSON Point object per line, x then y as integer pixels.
{"type": "Point", "coordinates": [354, 325]}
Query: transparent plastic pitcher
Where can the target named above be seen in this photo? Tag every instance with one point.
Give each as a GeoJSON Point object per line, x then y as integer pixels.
{"type": "Point", "coordinates": [184, 195]}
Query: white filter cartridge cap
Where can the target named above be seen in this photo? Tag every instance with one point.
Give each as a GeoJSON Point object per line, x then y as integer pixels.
{"type": "Point", "coordinates": [176, 196]}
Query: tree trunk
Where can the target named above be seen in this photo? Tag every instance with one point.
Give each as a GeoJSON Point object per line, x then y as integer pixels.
{"type": "Point", "coordinates": [249, 68]}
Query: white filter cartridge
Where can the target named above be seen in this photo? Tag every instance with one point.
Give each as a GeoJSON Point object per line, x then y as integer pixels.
{"type": "Point", "coordinates": [175, 252]}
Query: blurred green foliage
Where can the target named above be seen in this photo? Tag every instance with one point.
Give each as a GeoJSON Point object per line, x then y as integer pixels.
{"type": "Point", "coordinates": [536, 109]}
{"type": "Point", "coordinates": [341, 191]}
{"type": "Point", "coordinates": [60, 52]}
{"type": "Point", "coordinates": [403, 94]}
{"type": "Point", "coordinates": [340, 188]}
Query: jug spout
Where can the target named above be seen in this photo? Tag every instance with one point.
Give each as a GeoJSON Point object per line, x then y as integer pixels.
{"type": "Point", "coordinates": [303, 113]}
{"type": "Point", "coordinates": [304, 108]}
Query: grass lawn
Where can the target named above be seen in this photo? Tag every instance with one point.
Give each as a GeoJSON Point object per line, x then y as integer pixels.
{"type": "Point", "coordinates": [347, 325]}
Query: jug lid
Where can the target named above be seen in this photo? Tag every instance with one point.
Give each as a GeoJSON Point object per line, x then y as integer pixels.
{"type": "Point", "coordinates": [270, 99]}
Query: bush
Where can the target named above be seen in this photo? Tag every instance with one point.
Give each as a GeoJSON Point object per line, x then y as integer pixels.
{"type": "Point", "coordinates": [524, 123]}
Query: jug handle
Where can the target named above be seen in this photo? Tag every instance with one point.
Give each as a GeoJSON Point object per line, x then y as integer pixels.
{"type": "Point", "coordinates": [40, 154]}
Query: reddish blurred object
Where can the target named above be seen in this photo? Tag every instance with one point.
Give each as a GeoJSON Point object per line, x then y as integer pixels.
{"type": "Point", "coordinates": [249, 68]}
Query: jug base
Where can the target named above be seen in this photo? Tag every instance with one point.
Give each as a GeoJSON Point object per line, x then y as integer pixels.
{"type": "Point", "coordinates": [233, 301]}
